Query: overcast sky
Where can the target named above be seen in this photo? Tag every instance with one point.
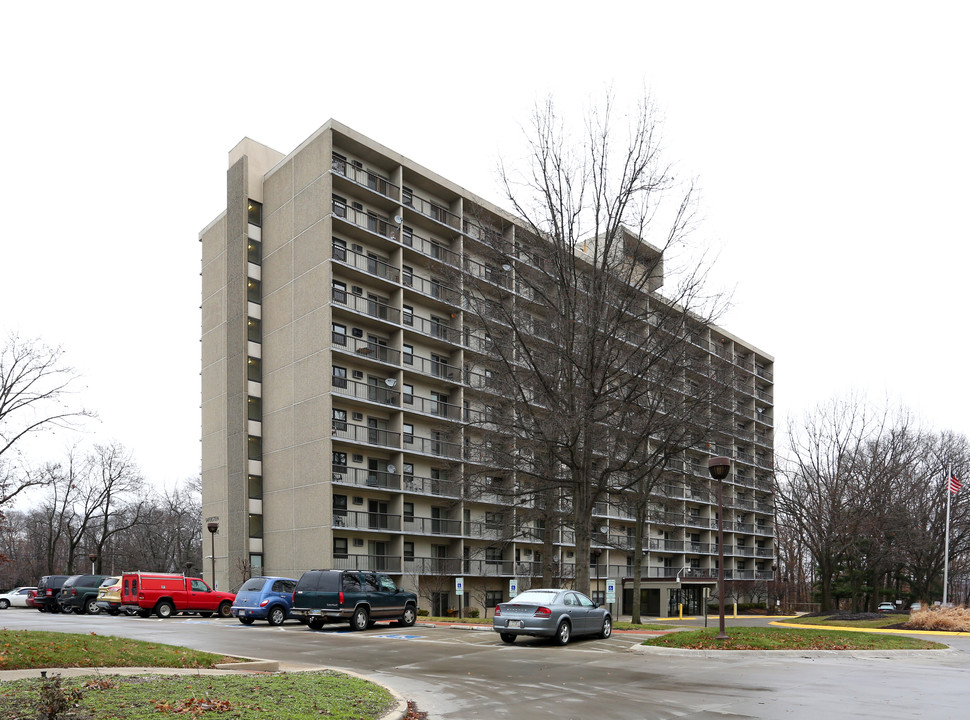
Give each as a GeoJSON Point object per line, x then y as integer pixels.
{"type": "Point", "coordinates": [830, 140]}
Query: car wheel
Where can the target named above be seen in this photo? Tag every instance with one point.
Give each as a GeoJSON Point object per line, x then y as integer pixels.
{"type": "Point", "coordinates": [246, 621]}
{"type": "Point", "coordinates": [507, 638]}
{"type": "Point", "coordinates": [91, 607]}
{"type": "Point", "coordinates": [409, 616]}
{"type": "Point", "coordinates": [164, 609]}
{"type": "Point", "coordinates": [4, 603]}
{"type": "Point", "coordinates": [360, 619]}
{"type": "Point", "coordinates": [562, 633]}
{"type": "Point", "coordinates": [205, 614]}
{"type": "Point", "coordinates": [225, 609]}
{"type": "Point", "coordinates": [315, 623]}
{"type": "Point", "coordinates": [276, 616]}
{"type": "Point", "coordinates": [607, 628]}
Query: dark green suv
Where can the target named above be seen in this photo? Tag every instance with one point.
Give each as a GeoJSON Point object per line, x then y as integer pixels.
{"type": "Point", "coordinates": [358, 597]}
{"type": "Point", "coordinates": [79, 594]}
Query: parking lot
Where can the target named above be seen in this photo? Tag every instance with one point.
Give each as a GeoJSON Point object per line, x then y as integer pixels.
{"type": "Point", "coordinates": [455, 673]}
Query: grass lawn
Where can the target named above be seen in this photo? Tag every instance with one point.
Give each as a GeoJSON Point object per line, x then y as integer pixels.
{"type": "Point", "coordinates": [882, 621]}
{"type": "Point", "coordinates": [753, 638]}
{"type": "Point", "coordinates": [113, 697]}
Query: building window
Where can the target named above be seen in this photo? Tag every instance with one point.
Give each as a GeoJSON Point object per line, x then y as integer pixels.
{"type": "Point", "coordinates": [409, 550]}
{"type": "Point", "coordinates": [339, 206]}
{"type": "Point", "coordinates": [340, 420]}
{"type": "Point", "coordinates": [340, 292]}
{"type": "Point", "coordinates": [256, 563]}
{"type": "Point", "coordinates": [255, 448]}
{"type": "Point", "coordinates": [408, 394]}
{"type": "Point", "coordinates": [493, 598]}
{"type": "Point", "coordinates": [339, 249]}
{"type": "Point", "coordinates": [339, 376]}
{"type": "Point", "coordinates": [254, 369]}
{"type": "Point", "coordinates": [407, 197]}
{"type": "Point", "coordinates": [255, 487]}
{"type": "Point", "coordinates": [339, 462]}
{"type": "Point", "coordinates": [254, 332]}
{"type": "Point", "coordinates": [407, 313]}
{"type": "Point", "coordinates": [494, 520]}
{"type": "Point", "coordinates": [493, 556]}
{"type": "Point", "coordinates": [340, 506]}
{"type": "Point", "coordinates": [255, 525]}
{"type": "Point", "coordinates": [408, 433]}
{"type": "Point", "coordinates": [408, 354]}
{"type": "Point", "coordinates": [255, 213]}
{"type": "Point", "coordinates": [408, 511]}
{"type": "Point", "coordinates": [407, 274]}
{"type": "Point", "coordinates": [408, 470]}
{"type": "Point", "coordinates": [253, 293]}
{"type": "Point", "coordinates": [339, 334]}
{"type": "Point", "coordinates": [254, 251]}
{"type": "Point", "coordinates": [255, 408]}
{"type": "Point", "coordinates": [340, 547]}
{"type": "Point", "coordinates": [407, 236]}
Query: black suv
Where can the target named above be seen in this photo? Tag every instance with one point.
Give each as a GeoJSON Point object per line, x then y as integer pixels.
{"type": "Point", "coordinates": [79, 594]}
{"type": "Point", "coordinates": [48, 588]}
{"type": "Point", "coordinates": [352, 595]}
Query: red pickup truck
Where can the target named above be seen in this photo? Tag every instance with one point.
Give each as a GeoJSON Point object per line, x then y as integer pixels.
{"type": "Point", "coordinates": [168, 594]}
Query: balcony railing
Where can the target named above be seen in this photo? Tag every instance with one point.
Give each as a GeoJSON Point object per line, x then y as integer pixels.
{"type": "Point", "coordinates": [357, 520]}
{"type": "Point", "coordinates": [432, 446]}
{"type": "Point", "coordinates": [374, 563]}
{"type": "Point", "coordinates": [432, 486]}
{"type": "Point", "coordinates": [369, 435]}
{"type": "Point", "coordinates": [371, 265]}
{"type": "Point", "coordinates": [432, 526]}
{"type": "Point", "coordinates": [367, 306]}
{"type": "Point", "coordinates": [431, 210]}
{"type": "Point", "coordinates": [430, 248]}
{"type": "Point", "coordinates": [364, 391]}
{"type": "Point", "coordinates": [366, 348]}
{"type": "Point", "coordinates": [365, 178]}
{"type": "Point", "coordinates": [435, 368]}
{"type": "Point", "coordinates": [360, 477]}
{"type": "Point", "coordinates": [432, 407]}
{"type": "Point", "coordinates": [433, 288]}
{"type": "Point", "coordinates": [366, 220]}
{"type": "Point", "coordinates": [434, 328]}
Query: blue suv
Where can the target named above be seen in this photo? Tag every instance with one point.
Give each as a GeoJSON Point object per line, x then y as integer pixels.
{"type": "Point", "coordinates": [265, 598]}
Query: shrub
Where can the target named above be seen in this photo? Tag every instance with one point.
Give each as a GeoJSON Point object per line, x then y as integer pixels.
{"type": "Point", "coordinates": [953, 619]}
{"type": "Point", "coordinates": [423, 613]}
{"type": "Point", "coordinates": [472, 613]}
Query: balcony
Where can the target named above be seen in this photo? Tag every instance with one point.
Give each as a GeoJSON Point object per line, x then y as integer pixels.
{"type": "Point", "coordinates": [357, 520]}
{"type": "Point", "coordinates": [374, 563]}
{"type": "Point", "coordinates": [430, 248]}
{"type": "Point", "coordinates": [364, 391]}
{"type": "Point", "coordinates": [431, 210]}
{"type": "Point", "coordinates": [435, 368]}
{"type": "Point", "coordinates": [365, 178]}
{"type": "Point", "coordinates": [369, 221]}
{"type": "Point", "coordinates": [373, 266]}
{"type": "Point", "coordinates": [433, 289]}
{"type": "Point", "coordinates": [359, 477]}
{"type": "Point", "coordinates": [366, 306]}
{"type": "Point", "coordinates": [433, 566]}
{"type": "Point", "coordinates": [432, 446]}
{"type": "Point", "coordinates": [435, 328]}
{"type": "Point", "coordinates": [430, 406]}
{"type": "Point", "coordinates": [432, 526]}
{"type": "Point", "coordinates": [431, 486]}
{"type": "Point", "coordinates": [360, 347]}
{"type": "Point", "coordinates": [368, 435]}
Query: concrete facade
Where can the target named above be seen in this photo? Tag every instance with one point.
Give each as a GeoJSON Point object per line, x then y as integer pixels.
{"type": "Point", "coordinates": [334, 376]}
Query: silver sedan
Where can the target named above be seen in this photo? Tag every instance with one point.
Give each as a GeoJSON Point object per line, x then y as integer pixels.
{"type": "Point", "coordinates": [558, 614]}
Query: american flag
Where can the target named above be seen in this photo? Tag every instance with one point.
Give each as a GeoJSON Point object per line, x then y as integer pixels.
{"type": "Point", "coordinates": [955, 484]}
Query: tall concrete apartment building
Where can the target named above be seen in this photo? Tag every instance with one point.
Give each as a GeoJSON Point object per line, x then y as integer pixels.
{"type": "Point", "coordinates": [336, 381]}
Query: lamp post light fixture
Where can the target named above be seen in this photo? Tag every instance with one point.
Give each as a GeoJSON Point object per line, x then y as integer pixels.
{"type": "Point", "coordinates": [719, 467]}
{"type": "Point", "coordinates": [93, 557]}
{"type": "Point", "coordinates": [213, 527]}
{"type": "Point", "coordinates": [188, 568]}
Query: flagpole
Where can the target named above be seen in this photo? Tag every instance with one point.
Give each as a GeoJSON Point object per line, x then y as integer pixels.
{"type": "Point", "coordinates": [946, 543]}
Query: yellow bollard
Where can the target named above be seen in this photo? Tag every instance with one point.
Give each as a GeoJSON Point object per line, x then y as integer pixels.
{"type": "Point", "coordinates": [680, 610]}
{"type": "Point", "coordinates": [735, 609]}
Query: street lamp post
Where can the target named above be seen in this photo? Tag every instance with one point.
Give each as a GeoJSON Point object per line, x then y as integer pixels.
{"type": "Point", "coordinates": [719, 468]}
{"type": "Point", "coordinates": [93, 558]}
{"type": "Point", "coordinates": [213, 528]}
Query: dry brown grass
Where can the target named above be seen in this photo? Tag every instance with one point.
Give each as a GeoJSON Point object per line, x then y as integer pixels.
{"type": "Point", "coordinates": [954, 619]}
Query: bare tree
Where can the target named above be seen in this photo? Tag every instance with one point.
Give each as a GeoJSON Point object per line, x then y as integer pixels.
{"type": "Point", "coordinates": [35, 386]}
{"type": "Point", "coordinates": [586, 368]}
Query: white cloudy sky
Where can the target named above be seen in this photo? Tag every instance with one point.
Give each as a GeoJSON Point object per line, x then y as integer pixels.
{"type": "Point", "coordinates": [830, 140]}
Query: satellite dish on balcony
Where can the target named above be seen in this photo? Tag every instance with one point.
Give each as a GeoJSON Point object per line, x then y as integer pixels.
{"type": "Point", "coordinates": [390, 382]}
{"type": "Point", "coordinates": [391, 469]}
{"type": "Point", "coordinates": [398, 219]}
{"type": "Point", "coordinates": [604, 528]}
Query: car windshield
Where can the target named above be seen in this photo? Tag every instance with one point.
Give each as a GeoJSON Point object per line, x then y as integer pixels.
{"type": "Point", "coordinates": [535, 596]}
{"type": "Point", "coordinates": [253, 585]}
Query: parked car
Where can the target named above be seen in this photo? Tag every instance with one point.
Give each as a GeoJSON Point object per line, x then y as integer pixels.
{"type": "Point", "coordinates": [168, 594]}
{"type": "Point", "coordinates": [886, 607]}
{"type": "Point", "coordinates": [359, 598]}
{"type": "Point", "coordinates": [915, 606]}
{"type": "Point", "coordinates": [48, 588]}
{"type": "Point", "coordinates": [109, 595]}
{"type": "Point", "coordinates": [79, 594]}
{"type": "Point", "coordinates": [265, 598]}
{"type": "Point", "coordinates": [15, 598]}
{"type": "Point", "coordinates": [32, 599]}
{"type": "Point", "coordinates": [559, 614]}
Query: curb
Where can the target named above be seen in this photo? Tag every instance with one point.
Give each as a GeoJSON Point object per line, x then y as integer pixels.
{"type": "Point", "coordinates": [808, 654]}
